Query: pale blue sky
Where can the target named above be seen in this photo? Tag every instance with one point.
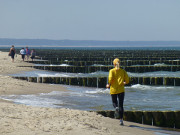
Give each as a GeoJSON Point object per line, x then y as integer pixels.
{"type": "Point", "coordinates": [120, 20]}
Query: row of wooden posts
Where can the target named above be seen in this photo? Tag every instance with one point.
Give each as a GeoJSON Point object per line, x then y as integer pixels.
{"type": "Point", "coordinates": [169, 119]}
{"type": "Point", "coordinates": [123, 63]}
{"type": "Point", "coordinates": [108, 58]}
{"type": "Point", "coordinates": [90, 69]}
{"type": "Point", "coordinates": [100, 82]}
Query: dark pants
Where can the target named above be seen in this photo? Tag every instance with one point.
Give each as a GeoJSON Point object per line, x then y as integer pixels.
{"type": "Point", "coordinates": [23, 56]}
{"type": "Point", "coordinates": [118, 100]}
{"type": "Point", "coordinates": [12, 56]}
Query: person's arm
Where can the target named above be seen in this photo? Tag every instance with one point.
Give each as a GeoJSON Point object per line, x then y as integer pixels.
{"type": "Point", "coordinates": [126, 78]}
{"type": "Point", "coordinates": [110, 79]}
{"type": "Point", "coordinates": [10, 51]}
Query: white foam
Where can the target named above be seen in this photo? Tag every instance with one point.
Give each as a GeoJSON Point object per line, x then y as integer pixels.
{"type": "Point", "coordinates": [64, 65]}
{"type": "Point", "coordinates": [160, 64]}
{"type": "Point", "coordinates": [97, 65]}
{"type": "Point", "coordinates": [33, 100]}
{"type": "Point", "coordinates": [147, 87]}
{"type": "Point", "coordinates": [99, 74]}
{"type": "Point", "coordinates": [53, 75]}
{"type": "Point", "coordinates": [97, 91]}
{"type": "Point", "coordinates": [52, 65]}
{"type": "Point", "coordinates": [155, 74]}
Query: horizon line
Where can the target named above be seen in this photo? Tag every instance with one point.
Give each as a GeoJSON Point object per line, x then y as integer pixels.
{"type": "Point", "coordinates": [94, 40]}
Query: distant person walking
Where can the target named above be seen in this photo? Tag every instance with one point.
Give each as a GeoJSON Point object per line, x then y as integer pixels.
{"type": "Point", "coordinates": [28, 53]}
{"type": "Point", "coordinates": [23, 53]}
{"type": "Point", "coordinates": [33, 54]}
{"type": "Point", "coordinates": [12, 53]}
{"type": "Point", "coordinates": [117, 79]}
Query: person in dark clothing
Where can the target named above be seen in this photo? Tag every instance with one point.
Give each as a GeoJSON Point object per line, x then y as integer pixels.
{"type": "Point", "coordinates": [33, 54]}
{"type": "Point", "coordinates": [12, 53]}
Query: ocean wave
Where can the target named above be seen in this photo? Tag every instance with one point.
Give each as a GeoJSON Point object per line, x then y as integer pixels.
{"type": "Point", "coordinates": [64, 65]}
{"type": "Point", "coordinates": [155, 74]}
{"type": "Point", "coordinates": [32, 100]}
{"type": "Point", "coordinates": [147, 87]}
{"type": "Point", "coordinates": [97, 91]}
{"type": "Point", "coordinates": [160, 64]}
{"type": "Point", "coordinates": [97, 65]}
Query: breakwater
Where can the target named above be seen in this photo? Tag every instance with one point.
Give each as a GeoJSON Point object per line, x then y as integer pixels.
{"type": "Point", "coordinates": [105, 57]}
{"type": "Point", "coordinates": [90, 61]}
{"type": "Point", "coordinates": [90, 69]}
{"type": "Point", "coordinates": [100, 82]}
{"type": "Point", "coordinates": [169, 119]}
{"type": "Point", "coordinates": [124, 62]}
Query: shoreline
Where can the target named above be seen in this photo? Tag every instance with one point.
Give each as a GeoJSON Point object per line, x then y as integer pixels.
{"type": "Point", "coordinates": [20, 86]}
{"type": "Point", "coordinates": [21, 119]}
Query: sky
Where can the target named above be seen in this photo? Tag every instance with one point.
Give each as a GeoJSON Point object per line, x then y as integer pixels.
{"type": "Point", "coordinates": [111, 20]}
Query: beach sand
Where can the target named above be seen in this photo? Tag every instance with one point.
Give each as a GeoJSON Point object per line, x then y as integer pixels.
{"type": "Point", "coordinates": [18, 119]}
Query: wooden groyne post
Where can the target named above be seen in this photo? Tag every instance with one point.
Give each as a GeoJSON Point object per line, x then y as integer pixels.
{"type": "Point", "coordinates": [170, 119]}
{"type": "Point", "coordinates": [100, 82]}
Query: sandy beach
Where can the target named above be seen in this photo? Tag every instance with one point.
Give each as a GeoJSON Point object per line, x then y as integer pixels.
{"type": "Point", "coordinates": [18, 119]}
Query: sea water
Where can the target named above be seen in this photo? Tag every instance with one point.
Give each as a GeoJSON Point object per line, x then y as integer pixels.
{"type": "Point", "coordinates": [43, 73]}
{"type": "Point", "coordinates": [137, 97]}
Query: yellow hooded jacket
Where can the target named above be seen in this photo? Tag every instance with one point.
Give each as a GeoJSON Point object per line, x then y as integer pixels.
{"type": "Point", "coordinates": [116, 79]}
